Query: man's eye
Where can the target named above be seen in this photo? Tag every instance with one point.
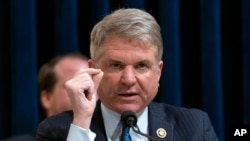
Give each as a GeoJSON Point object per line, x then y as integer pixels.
{"type": "Point", "coordinates": [142, 66]}
{"type": "Point", "coordinates": [115, 66]}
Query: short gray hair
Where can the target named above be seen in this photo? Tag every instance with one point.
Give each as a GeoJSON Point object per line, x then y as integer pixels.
{"type": "Point", "coordinates": [130, 23]}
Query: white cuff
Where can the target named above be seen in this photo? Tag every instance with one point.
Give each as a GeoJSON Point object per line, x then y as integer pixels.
{"type": "Point", "coordinates": [77, 133]}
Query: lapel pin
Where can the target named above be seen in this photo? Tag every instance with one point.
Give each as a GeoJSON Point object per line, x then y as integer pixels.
{"type": "Point", "coordinates": [161, 133]}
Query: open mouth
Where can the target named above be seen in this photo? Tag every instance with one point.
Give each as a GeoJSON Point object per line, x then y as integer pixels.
{"type": "Point", "coordinates": [128, 94]}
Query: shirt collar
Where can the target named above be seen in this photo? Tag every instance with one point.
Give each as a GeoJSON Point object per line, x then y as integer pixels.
{"type": "Point", "coordinates": [112, 119]}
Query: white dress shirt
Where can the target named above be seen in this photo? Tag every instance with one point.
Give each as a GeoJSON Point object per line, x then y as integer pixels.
{"type": "Point", "coordinates": [112, 126]}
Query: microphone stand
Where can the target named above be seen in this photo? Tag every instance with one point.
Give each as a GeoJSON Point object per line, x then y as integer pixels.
{"type": "Point", "coordinates": [129, 119]}
{"type": "Point", "coordinates": [137, 130]}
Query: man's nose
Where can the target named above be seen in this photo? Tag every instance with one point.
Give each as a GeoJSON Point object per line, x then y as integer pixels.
{"type": "Point", "coordinates": [128, 77]}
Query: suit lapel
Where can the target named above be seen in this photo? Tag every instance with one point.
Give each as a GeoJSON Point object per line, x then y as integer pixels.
{"type": "Point", "coordinates": [97, 124]}
{"type": "Point", "coordinates": [160, 126]}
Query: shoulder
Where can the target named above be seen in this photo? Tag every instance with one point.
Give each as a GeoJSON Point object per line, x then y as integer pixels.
{"type": "Point", "coordinates": [22, 137]}
{"type": "Point", "coordinates": [56, 120]}
{"type": "Point", "coordinates": [55, 127]}
{"type": "Point", "coordinates": [180, 115]}
{"type": "Point", "coordinates": [184, 121]}
{"type": "Point", "coordinates": [175, 111]}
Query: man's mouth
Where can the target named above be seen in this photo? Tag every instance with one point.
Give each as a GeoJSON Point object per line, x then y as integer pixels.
{"type": "Point", "coordinates": [127, 94]}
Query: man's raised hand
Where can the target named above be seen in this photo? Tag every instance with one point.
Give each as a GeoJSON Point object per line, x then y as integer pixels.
{"type": "Point", "coordinates": [82, 91]}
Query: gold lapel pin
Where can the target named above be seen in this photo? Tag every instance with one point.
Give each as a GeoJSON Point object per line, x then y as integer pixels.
{"type": "Point", "coordinates": [161, 133]}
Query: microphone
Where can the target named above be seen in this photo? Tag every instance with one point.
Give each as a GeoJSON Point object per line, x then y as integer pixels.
{"type": "Point", "coordinates": [129, 119]}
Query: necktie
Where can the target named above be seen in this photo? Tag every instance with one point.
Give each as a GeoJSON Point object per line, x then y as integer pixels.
{"type": "Point", "coordinates": [125, 134]}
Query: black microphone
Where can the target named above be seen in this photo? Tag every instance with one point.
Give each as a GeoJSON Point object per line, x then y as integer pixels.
{"type": "Point", "coordinates": [129, 119]}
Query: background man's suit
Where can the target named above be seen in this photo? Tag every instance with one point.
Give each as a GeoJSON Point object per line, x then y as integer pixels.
{"type": "Point", "coordinates": [181, 124]}
{"type": "Point", "coordinates": [23, 137]}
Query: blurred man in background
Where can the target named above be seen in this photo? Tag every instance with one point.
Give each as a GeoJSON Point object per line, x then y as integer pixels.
{"type": "Point", "coordinates": [51, 79]}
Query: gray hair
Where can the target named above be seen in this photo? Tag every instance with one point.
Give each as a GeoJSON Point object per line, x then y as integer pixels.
{"type": "Point", "coordinates": [130, 23]}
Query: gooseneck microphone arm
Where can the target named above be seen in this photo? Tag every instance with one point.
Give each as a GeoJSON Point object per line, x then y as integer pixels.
{"type": "Point", "coordinates": [137, 130]}
{"type": "Point", "coordinates": [129, 119]}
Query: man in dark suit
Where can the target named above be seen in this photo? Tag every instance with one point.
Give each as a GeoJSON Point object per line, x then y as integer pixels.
{"type": "Point", "coordinates": [125, 68]}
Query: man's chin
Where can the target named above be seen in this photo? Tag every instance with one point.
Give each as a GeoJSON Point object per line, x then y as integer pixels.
{"type": "Point", "coordinates": [128, 107]}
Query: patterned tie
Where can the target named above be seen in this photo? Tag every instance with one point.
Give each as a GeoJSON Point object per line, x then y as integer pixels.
{"type": "Point", "coordinates": [125, 134]}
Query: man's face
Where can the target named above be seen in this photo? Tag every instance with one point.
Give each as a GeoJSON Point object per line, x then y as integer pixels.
{"type": "Point", "coordinates": [65, 70]}
{"type": "Point", "coordinates": [131, 74]}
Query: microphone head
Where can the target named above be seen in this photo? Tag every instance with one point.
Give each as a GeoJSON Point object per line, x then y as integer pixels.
{"type": "Point", "coordinates": [128, 119]}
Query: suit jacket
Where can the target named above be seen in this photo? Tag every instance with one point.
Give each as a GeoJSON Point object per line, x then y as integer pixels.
{"type": "Point", "coordinates": [22, 137]}
{"type": "Point", "coordinates": [180, 124]}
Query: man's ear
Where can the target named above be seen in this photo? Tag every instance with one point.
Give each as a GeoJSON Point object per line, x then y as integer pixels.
{"type": "Point", "coordinates": [91, 63]}
{"type": "Point", "coordinates": [160, 66]}
{"type": "Point", "coordinates": [45, 99]}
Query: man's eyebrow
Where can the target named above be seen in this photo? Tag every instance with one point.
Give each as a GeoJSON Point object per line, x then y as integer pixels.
{"type": "Point", "coordinates": [144, 61]}
{"type": "Point", "coordinates": [114, 60]}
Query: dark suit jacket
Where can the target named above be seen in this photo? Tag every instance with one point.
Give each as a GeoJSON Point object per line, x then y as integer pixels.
{"type": "Point", "coordinates": [181, 124]}
{"type": "Point", "coordinates": [23, 137]}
